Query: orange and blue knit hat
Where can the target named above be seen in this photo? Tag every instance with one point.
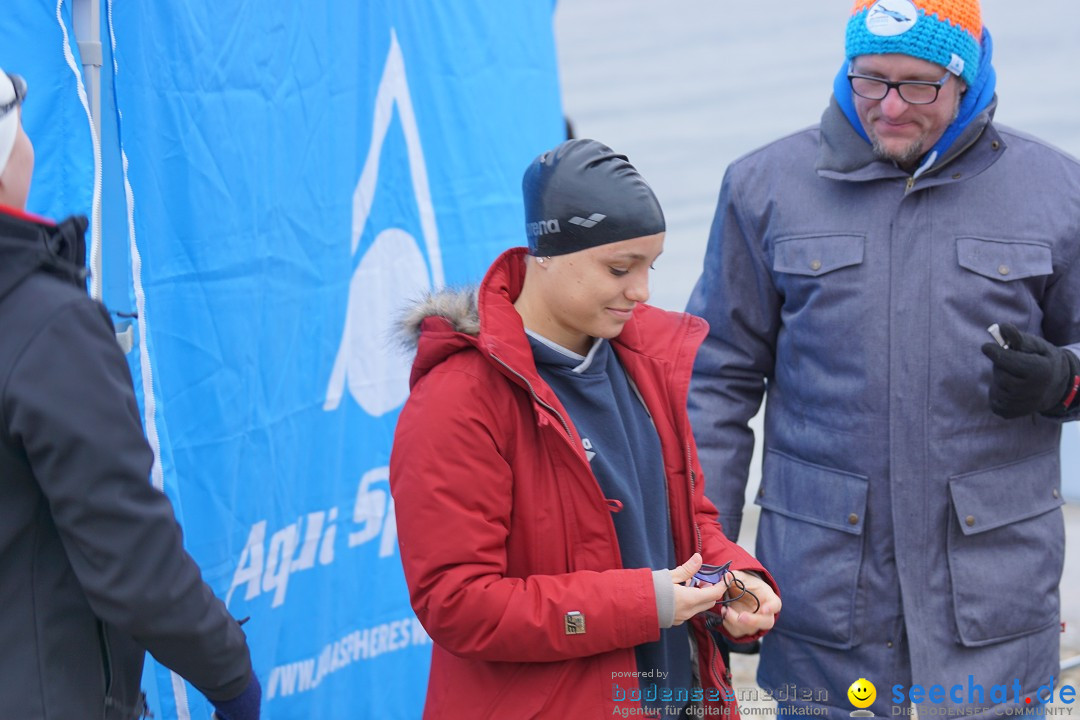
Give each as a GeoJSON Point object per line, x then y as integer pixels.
{"type": "Point", "coordinates": [946, 32]}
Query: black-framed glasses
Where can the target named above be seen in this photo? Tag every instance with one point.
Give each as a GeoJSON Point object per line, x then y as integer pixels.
{"type": "Point", "coordinates": [913, 92]}
{"type": "Point", "coordinates": [20, 94]}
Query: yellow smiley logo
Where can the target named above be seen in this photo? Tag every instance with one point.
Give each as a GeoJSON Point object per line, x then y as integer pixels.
{"type": "Point", "coordinates": [862, 693]}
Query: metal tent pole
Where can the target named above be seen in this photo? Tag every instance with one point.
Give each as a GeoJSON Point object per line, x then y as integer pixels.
{"type": "Point", "coordinates": [86, 15]}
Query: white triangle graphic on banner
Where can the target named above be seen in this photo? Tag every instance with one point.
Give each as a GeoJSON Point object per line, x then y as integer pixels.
{"type": "Point", "coordinates": [392, 271]}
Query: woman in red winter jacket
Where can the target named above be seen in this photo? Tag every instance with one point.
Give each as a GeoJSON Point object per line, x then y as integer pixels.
{"type": "Point", "coordinates": [546, 478]}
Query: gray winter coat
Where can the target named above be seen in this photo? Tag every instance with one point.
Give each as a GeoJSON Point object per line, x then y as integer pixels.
{"type": "Point", "coordinates": [899, 515]}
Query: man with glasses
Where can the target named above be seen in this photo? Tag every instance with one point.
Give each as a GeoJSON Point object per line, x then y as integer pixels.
{"type": "Point", "coordinates": [93, 570]}
{"type": "Point", "coordinates": [910, 487]}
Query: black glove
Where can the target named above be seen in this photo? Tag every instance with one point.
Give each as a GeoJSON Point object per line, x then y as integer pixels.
{"type": "Point", "coordinates": [1030, 375]}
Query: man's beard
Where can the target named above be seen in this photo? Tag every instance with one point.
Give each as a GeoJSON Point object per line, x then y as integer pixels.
{"type": "Point", "coordinates": [909, 156]}
{"type": "Point", "coordinates": [904, 158]}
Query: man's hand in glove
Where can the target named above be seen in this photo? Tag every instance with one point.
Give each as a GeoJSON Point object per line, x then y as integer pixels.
{"type": "Point", "coordinates": [1031, 375]}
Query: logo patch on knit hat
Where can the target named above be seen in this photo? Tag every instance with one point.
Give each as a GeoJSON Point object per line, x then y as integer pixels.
{"type": "Point", "coordinates": [956, 65]}
{"type": "Point", "coordinates": [888, 18]}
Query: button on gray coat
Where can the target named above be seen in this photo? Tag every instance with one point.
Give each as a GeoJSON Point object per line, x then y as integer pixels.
{"type": "Point", "coordinates": [916, 537]}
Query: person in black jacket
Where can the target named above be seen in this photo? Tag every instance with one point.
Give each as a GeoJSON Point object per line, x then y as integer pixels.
{"type": "Point", "coordinates": [92, 567]}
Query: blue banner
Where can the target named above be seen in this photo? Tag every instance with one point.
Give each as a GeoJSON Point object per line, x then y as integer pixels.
{"type": "Point", "coordinates": [275, 183]}
{"type": "Point", "coordinates": [39, 44]}
{"type": "Point", "coordinates": [296, 174]}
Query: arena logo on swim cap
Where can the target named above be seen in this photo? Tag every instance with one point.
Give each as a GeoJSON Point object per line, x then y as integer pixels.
{"type": "Point", "coordinates": [591, 221]}
{"type": "Point", "coordinates": [887, 18]}
{"type": "Point", "coordinates": [542, 227]}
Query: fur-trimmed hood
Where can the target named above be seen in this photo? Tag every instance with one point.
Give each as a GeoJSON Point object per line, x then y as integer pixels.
{"type": "Point", "coordinates": [448, 321]}
{"type": "Point", "coordinates": [457, 305]}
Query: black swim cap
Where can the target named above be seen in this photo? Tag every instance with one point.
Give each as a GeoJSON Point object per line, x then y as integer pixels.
{"type": "Point", "coordinates": [582, 194]}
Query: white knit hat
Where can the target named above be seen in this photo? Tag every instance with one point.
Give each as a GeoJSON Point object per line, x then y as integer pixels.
{"type": "Point", "coordinates": [9, 121]}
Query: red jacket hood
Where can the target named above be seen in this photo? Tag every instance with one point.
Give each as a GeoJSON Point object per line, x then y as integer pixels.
{"type": "Point", "coordinates": [450, 320]}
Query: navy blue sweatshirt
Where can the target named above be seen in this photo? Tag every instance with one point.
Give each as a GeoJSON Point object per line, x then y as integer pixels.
{"type": "Point", "coordinates": [624, 453]}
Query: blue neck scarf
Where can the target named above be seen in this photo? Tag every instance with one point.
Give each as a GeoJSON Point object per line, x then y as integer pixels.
{"type": "Point", "coordinates": [974, 101]}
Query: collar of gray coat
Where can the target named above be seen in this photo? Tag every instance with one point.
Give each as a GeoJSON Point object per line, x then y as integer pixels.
{"type": "Point", "coordinates": [845, 155]}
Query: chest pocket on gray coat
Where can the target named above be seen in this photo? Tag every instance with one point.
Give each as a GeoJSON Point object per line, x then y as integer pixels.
{"type": "Point", "coordinates": [828, 300]}
{"type": "Point", "coordinates": [816, 255]}
{"type": "Point", "coordinates": [1004, 260]}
